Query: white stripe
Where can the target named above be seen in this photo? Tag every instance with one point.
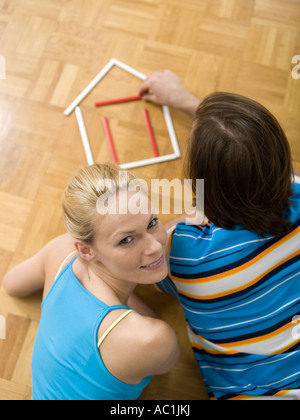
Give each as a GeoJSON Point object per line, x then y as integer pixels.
{"type": "Point", "coordinates": [271, 314]}
{"type": "Point", "coordinates": [231, 387]}
{"type": "Point", "coordinates": [243, 304]}
{"type": "Point", "coordinates": [197, 237]}
{"type": "Point", "coordinates": [296, 179]}
{"type": "Point", "coordinates": [248, 368]}
{"type": "Point", "coordinates": [265, 347]}
{"type": "Point", "coordinates": [221, 250]}
{"type": "Point", "coordinates": [205, 344]}
{"type": "Point", "coordinates": [292, 395]}
{"type": "Point", "coordinates": [257, 319]}
{"type": "Point", "coordinates": [278, 382]}
{"type": "Point", "coordinates": [192, 237]}
{"type": "Point", "coordinates": [242, 278]}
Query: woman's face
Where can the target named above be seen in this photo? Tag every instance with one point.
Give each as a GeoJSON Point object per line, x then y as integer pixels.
{"type": "Point", "coordinates": [132, 247]}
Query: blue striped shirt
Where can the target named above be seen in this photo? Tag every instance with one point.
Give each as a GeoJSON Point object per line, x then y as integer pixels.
{"type": "Point", "coordinates": [241, 297]}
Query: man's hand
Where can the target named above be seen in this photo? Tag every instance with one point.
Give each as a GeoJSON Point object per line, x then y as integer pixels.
{"type": "Point", "coordinates": [165, 88]}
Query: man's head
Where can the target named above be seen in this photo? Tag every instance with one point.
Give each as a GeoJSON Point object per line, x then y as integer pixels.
{"type": "Point", "coordinates": [238, 147]}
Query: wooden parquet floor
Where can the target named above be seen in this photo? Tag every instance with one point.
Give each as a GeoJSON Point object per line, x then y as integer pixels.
{"type": "Point", "coordinates": [50, 50]}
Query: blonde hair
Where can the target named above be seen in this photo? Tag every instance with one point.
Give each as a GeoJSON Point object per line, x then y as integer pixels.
{"type": "Point", "coordinates": [81, 195]}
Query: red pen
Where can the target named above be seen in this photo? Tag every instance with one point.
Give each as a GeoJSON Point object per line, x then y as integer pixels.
{"type": "Point", "coordinates": [110, 140]}
{"type": "Point", "coordinates": [150, 131]}
{"type": "Point", "coordinates": [118, 101]}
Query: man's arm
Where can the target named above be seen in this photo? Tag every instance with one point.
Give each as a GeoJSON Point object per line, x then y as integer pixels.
{"type": "Point", "coordinates": [165, 88]}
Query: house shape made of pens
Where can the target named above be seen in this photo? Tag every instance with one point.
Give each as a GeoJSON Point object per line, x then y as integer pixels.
{"type": "Point", "coordinates": [75, 106]}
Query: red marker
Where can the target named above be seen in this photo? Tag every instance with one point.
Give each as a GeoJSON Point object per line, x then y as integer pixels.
{"type": "Point", "coordinates": [110, 140]}
{"type": "Point", "coordinates": [150, 131]}
{"type": "Point", "coordinates": [119, 101]}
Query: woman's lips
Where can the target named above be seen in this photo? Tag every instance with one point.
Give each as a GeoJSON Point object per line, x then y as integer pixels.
{"type": "Point", "coordinates": [155, 265]}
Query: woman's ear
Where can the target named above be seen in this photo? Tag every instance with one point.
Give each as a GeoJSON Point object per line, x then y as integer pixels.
{"type": "Point", "coordinates": [84, 251]}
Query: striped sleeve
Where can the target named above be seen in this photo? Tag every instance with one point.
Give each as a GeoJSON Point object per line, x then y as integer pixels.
{"type": "Point", "coordinates": [167, 284]}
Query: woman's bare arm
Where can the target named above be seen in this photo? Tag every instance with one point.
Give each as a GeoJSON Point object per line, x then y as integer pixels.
{"type": "Point", "coordinates": [27, 277]}
{"type": "Point", "coordinates": [35, 273]}
{"type": "Point", "coordinates": [149, 347]}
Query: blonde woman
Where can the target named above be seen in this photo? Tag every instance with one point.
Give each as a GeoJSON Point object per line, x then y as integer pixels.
{"type": "Point", "coordinates": [96, 340]}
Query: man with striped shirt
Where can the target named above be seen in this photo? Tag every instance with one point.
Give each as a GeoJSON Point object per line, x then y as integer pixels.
{"type": "Point", "coordinates": [238, 276]}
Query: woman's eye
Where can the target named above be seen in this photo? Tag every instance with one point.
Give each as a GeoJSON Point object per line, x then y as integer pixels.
{"type": "Point", "coordinates": [153, 223]}
{"type": "Point", "coordinates": [126, 241]}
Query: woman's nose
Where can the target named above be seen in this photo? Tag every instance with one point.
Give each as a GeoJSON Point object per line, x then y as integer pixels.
{"type": "Point", "coordinates": [153, 246]}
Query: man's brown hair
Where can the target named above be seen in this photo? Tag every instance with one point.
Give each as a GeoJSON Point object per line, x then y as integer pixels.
{"type": "Point", "coordinates": [240, 150]}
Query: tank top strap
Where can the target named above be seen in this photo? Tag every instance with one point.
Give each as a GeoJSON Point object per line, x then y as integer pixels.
{"type": "Point", "coordinates": [113, 326]}
{"type": "Point", "coordinates": [63, 263]}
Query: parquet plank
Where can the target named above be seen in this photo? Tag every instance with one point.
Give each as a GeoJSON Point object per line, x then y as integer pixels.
{"type": "Point", "coordinates": [13, 391]}
{"type": "Point", "coordinates": [13, 215]}
{"type": "Point", "coordinates": [52, 50]}
{"type": "Point", "coordinates": [10, 348]}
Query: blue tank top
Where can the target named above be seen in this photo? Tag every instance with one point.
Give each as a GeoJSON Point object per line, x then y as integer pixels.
{"type": "Point", "coordinates": [66, 363]}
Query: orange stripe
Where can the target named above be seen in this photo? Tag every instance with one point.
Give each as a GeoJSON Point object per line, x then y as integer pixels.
{"type": "Point", "coordinates": [243, 266]}
{"type": "Point", "coordinates": [249, 397]}
{"type": "Point", "coordinates": [170, 242]}
{"type": "Point", "coordinates": [282, 393]}
{"type": "Point", "coordinates": [285, 349]}
{"type": "Point", "coordinates": [296, 176]}
{"type": "Point", "coordinates": [169, 251]}
{"type": "Point", "coordinates": [237, 289]}
{"type": "Point", "coordinates": [260, 338]}
{"type": "Point", "coordinates": [199, 347]}
{"type": "Point", "coordinates": [250, 341]}
{"type": "Point", "coordinates": [242, 398]}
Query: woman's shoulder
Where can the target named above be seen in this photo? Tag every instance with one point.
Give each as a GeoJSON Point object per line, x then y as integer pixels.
{"type": "Point", "coordinates": [139, 347]}
{"type": "Point", "coordinates": [57, 253]}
